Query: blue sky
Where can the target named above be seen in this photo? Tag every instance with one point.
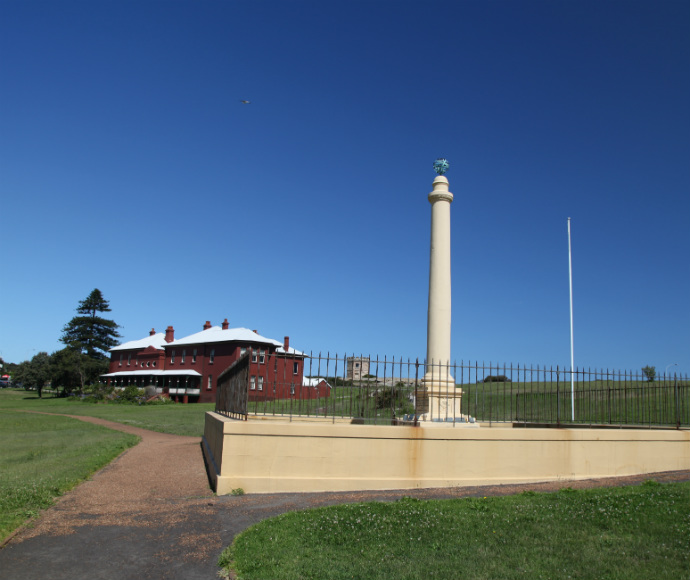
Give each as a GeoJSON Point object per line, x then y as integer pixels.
{"type": "Point", "coordinates": [128, 164]}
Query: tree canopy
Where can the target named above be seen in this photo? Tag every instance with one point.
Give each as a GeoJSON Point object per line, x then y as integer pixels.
{"type": "Point", "coordinates": [90, 336]}
{"type": "Point", "coordinates": [89, 333]}
{"type": "Point", "coordinates": [649, 372]}
{"type": "Point", "coordinates": [34, 373]}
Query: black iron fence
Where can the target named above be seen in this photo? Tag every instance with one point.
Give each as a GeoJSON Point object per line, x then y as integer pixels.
{"type": "Point", "coordinates": [232, 393]}
{"type": "Point", "coordinates": [375, 390]}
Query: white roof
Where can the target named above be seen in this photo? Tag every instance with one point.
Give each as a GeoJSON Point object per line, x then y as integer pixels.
{"type": "Point", "coordinates": [290, 350]}
{"type": "Point", "coordinates": [313, 381]}
{"type": "Point", "coordinates": [157, 341]}
{"type": "Point", "coordinates": [217, 334]}
{"type": "Point", "coordinates": [188, 373]}
{"type": "Point", "coordinates": [213, 334]}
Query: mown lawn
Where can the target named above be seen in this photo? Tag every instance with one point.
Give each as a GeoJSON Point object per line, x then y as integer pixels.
{"type": "Point", "coordinates": [596, 402]}
{"type": "Point", "coordinates": [42, 456]}
{"type": "Point", "coordinates": [177, 419]}
{"type": "Point", "coordinates": [628, 533]}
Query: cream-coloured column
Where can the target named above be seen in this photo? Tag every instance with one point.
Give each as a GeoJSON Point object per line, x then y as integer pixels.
{"type": "Point", "coordinates": [443, 397]}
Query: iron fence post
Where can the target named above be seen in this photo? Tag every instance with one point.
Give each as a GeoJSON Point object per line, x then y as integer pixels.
{"type": "Point", "coordinates": [558, 395]}
{"type": "Point", "coordinates": [675, 393]}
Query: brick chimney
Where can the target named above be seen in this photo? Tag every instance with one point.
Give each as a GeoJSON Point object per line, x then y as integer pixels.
{"type": "Point", "coordinates": [255, 331]}
{"type": "Point", "coordinates": [226, 324]}
{"type": "Point", "coordinates": [152, 332]}
{"type": "Point", "coordinates": [286, 344]}
{"type": "Point", "coordinates": [169, 334]}
{"type": "Point", "coordinates": [207, 325]}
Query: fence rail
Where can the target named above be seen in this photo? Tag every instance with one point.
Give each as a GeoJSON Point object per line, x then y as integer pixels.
{"type": "Point", "coordinates": [393, 390]}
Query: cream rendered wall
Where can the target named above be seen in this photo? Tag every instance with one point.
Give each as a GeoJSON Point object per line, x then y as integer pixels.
{"type": "Point", "coordinates": [262, 456]}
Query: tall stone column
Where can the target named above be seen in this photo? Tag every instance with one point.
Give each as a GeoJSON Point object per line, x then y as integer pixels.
{"type": "Point", "coordinates": [443, 397]}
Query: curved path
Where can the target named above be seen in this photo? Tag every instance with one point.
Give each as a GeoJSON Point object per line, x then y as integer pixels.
{"type": "Point", "coordinates": [151, 514]}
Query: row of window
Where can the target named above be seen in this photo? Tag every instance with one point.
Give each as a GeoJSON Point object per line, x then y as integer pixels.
{"type": "Point", "coordinates": [183, 358]}
{"type": "Point", "coordinates": [136, 362]}
{"type": "Point", "coordinates": [257, 356]}
{"type": "Point", "coordinates": [253, 385]}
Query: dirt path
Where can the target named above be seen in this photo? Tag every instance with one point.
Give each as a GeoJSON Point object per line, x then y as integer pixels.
{"type": "Point", "coordinates": [151, 514]}
{"type": "Point", "coordinates": [141, 487]}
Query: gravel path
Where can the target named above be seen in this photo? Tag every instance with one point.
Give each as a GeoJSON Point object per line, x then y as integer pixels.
{"type": "Point", "coordinates": [151, 514]}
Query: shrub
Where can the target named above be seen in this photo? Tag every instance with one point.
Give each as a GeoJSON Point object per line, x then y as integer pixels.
{"type": "Point", "coordinates": [388, 397]}
{"type": "Point", "coordinates": [98, 391]}
{"type": "Point", "coordinates": [497, 379]}
{"type": "Point", "coordinates": [130, 394]}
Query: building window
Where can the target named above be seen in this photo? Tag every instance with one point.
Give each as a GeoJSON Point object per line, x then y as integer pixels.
{"type": "Point", "coordinates": [252, 383]}
{"type": "Point", "coordinates": [129, 358]}
{"type": "Point", "coordinates": [356, 365]}
{"type": "Point", "coordinates": [148, 364]}
{"type": "Point", "coordinates": [209, 386]}
{"type": "Point", "coordinates": [153, 364]}
{"type": "Point", "coordinates": [212, 356]}
{"type": "Point", "coordinates": [194, 356]}
{"type": "Point", "coordinates": [121, 355]}
{"type": "Point", "coordinates": [292, 389]}
{"type": "Point", "coordinates": [262, 356]}
{"type": "Point", "coordinates": [295, 368]}
{"type": "Point", "coordinates": [253, 356]}
{"type": "Point", "coordinates": [261, 383]}
{"type": "Point", "coordinates": [184, 355]}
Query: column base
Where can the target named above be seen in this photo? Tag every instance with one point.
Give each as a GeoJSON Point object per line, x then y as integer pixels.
{"type": "Point", "coordinates": [444, 406]}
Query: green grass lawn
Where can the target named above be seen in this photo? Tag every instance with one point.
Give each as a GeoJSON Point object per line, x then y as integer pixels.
{"type": "Point", "coordinates": [628, 533]}
{"type": "Point", "coordinates": [596, 402]}
{"type": "Point", "coordinates": [176, 419]}
{"type": "Point", "coordinates": [43, 456]}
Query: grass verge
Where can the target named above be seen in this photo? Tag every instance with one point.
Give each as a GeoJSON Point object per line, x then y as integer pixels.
{"type": "Point", "coordinates": [630, 533]}
{"type": "Point", "coordinates": [43, 456]}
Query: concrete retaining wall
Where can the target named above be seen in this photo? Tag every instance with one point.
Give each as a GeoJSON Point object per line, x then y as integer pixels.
{"type": "Point", "coordinates": [262, 456]}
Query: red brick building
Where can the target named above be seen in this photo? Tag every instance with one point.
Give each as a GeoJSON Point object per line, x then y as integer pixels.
{"type": "Point", "coordinates": [187, 368]}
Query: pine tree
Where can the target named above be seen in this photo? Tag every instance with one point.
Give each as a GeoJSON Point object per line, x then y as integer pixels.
{"type": "Point", "coordinates": [91, 336]}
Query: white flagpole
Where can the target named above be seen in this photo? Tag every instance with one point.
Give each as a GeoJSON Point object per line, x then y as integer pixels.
{"type": "Point", "coordinates": [572, 350]}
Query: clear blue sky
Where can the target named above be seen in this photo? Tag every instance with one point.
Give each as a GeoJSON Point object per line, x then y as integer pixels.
{"type": "Point", "coordinates": [128, 164]}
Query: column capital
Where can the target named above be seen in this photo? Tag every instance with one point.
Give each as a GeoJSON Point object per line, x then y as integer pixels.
{"type": "Point", "coordinates": [440, 192]}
